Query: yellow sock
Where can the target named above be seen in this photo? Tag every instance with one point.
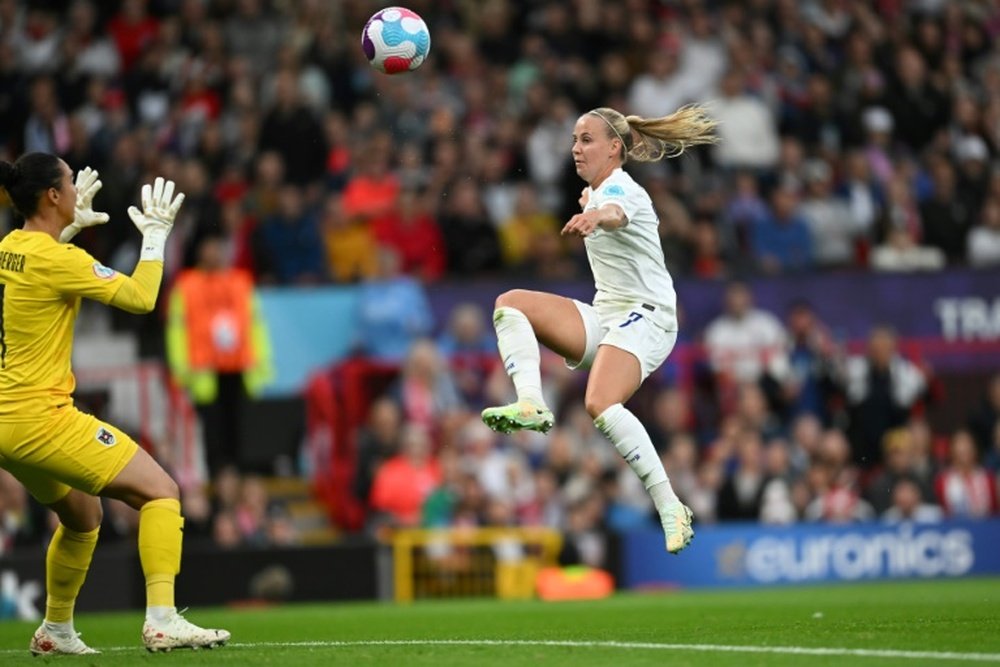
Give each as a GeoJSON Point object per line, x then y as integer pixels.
{"type": "Point", "coordinates": [66, 565]}
{"type": "Point", "coordinates": [160, 535]}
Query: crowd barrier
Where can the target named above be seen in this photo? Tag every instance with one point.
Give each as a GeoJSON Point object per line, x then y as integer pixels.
{"type": "Point", "coordinates": [471, 562]}
{"type": "Point", "coordinates": [209, 576]}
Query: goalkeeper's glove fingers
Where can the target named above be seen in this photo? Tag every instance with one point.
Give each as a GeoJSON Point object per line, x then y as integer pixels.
{"type": "Point", "coordinates": [87, 185]}
{"type": "Point", "coordinates": [159, 202]}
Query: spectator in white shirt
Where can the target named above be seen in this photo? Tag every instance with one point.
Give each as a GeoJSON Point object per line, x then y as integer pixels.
{"type": "Point", "coordinates": [907, 505]}
{"type": "Point", "coordinates": [744, 343]}
{"type": "Point", "coordinates": [831, 226]}
{"type": "Point", "coordinates": [661, 86]}
{"type": "Point", "coordinates": [748, 130]}
{"type": "Point", "coordinates": [984, 239]}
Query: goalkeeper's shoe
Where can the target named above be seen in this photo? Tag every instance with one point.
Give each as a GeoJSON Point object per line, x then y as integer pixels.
{"type": "Point", "coordinates": [522, 415]}
{"type": "Point", "coordinates": [676, 520]}
{"type": "Point", "coordinates": [47, 641]}
{"type": "Point", "coordinates": [178, 632]}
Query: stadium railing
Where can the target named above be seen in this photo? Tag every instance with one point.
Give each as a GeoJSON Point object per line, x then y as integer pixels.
{"type": "Point", "coordinates": [471, 562]}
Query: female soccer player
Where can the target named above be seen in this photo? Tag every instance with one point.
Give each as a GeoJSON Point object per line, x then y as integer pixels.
{"type": "Point", "coordinates": [63, 456]}
{"type": "Point", "coordinates": [632, 325]}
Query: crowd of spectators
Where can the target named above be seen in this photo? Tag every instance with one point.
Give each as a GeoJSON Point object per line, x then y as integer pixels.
{"type": "Point", "coordinates": [854, 136]}
{"type": "Point", "coordinates": [236, 511]}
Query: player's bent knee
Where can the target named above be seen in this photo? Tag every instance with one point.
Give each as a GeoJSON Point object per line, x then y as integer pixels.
{"type": "Point", "coordinates": [167, 488]}
{"type": "Point", "coordinates": [595, 404]}
{"type": "Point", "coordinates": [514, 298]}
{"type": "Point", "coordinates": [79, 511]}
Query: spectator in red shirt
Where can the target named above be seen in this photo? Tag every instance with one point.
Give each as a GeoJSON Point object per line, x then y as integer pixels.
{"type": "Point", "coordinates": [132, 29]}
{"type": "Point", "coordinates": [410, 231]}
{"type": "Point", "coordinates": [374, 190]}
{"type": "Point", "coordinates": [965, 488]}
{"type": "Point", "coordinates": [403, 482]}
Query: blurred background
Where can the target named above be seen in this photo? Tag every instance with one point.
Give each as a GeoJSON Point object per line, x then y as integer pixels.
{"type": "Point", "coordinates": [836, 258]}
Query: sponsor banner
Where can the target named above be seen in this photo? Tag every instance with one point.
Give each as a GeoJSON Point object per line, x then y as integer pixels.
{"type": "Point", "coordinates": [209, 576]}
{"type": "Point", "coordinates": [953, 315]}
{"type": "Point", "coordinates": [953, 305]}
{"type": "Point", "coordinates": [114, 581]}
{"type": "Point", "coordinates": [750, 555]}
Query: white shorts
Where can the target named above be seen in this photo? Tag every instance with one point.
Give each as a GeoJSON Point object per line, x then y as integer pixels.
{"type": "Point", "coordinates": [627, 330]}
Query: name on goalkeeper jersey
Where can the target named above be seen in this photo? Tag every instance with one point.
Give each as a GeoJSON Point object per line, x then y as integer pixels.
{"type": "Point", "coordinates": [11, 261]}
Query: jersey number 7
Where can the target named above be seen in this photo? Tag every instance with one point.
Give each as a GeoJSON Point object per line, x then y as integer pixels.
{"type": "Point", "coordinates": [632, 317]}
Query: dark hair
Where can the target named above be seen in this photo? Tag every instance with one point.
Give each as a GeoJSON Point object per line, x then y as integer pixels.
{"type": "Point", "coordinates": [28, 178]}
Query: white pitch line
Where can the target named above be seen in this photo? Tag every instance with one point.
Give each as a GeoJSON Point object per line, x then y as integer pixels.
{"type": "Point", "coordinates": [641, 646]}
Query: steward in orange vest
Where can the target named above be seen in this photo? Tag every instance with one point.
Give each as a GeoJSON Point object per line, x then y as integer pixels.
{"type": "Point", "coordinates": [214, 326]}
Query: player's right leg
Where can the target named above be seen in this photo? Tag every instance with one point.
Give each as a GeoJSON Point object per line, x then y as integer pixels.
{"type": "Point", "coordinates": [146, 486]}
{"type": "Point", "coordinates": [522, 318]}
{"type": "Point", "coordinates": [67, 561]}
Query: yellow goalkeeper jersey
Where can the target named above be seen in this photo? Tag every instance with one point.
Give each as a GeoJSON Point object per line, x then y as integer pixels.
{"type": "Point", "coordinates": [41, 283]}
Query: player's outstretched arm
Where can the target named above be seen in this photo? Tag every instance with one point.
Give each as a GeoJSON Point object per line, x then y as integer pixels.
{"type": "Point", "coordinates": [156, 219]}
{"type": "Point", "coordinates": [159, 208]}
{"type": "Point", "coordinates": [608, 217]}
{"type": "Point", "coordinates": [87, 185]}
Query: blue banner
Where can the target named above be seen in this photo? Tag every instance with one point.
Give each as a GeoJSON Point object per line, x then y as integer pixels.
{"type": "Point", "coordinates": [751, 554]}
{"type": "Point", "coordinates": [309, 329]}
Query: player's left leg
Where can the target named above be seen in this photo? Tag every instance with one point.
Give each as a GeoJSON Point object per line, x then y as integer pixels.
{"type": "Point", "coordinates": [34, 459]}
{"type": "Point", "coordinates": [614, 377]}
{"type": "Point", "coordinates": [146, 486]}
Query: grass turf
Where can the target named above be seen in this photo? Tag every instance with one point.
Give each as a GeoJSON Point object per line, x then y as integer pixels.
{"type": "Point", "coordinates": [960, 617]}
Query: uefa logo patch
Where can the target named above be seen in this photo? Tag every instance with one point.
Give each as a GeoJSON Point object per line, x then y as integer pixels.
{"type": "Point", "coordinates": [103, 272]}
{"type": "Point", "coordinates": [106, 437]}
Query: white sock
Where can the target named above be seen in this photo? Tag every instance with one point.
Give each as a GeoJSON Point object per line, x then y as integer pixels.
{"type": "Point", "coordinates": [159, 614]}
{"type": "Point", "coordinates": [662, 494]}
{"type": "Point", "coordinates": [62, 629]}
{"type": "Point", "coordinates": [629, 437]}
{"type": "Point", "coordinates": [519, 353]}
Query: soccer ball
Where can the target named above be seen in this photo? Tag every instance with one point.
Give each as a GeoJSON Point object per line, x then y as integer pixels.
{"type": "Point", "coordinates": [395, 40]}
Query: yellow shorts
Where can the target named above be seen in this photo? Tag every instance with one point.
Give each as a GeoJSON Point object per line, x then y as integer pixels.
{"type": "Point", "coordinates": [65, 449]}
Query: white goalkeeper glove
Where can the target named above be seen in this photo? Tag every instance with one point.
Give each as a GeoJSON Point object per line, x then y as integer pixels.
{"type": "Point", "coordinates": [159, 208]}
{"type": "Point", "coordinates": [87, 185]}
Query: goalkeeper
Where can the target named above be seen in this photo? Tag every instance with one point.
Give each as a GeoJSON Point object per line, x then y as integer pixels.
{"type": "Point", "coordinates": [64, 457]}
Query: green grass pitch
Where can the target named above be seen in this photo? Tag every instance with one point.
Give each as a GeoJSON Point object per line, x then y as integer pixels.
{"type": "Point", "coordinates": [897, 623]}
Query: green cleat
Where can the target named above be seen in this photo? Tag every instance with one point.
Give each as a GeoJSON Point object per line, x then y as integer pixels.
{"type": "Point", "coordinates": [676, 520]}
{"type": "Point", "coordinates": [519, 416]}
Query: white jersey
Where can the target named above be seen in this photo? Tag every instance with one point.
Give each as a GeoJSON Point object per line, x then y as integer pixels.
{"type": "Point", "coordinates": [627, 263]}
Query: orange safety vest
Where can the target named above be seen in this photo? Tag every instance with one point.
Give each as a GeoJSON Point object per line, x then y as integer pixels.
{"type": "Point", "coordinates": [218, 315]}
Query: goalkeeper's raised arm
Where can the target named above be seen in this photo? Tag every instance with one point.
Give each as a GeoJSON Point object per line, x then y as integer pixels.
{"type": "Point", "coordinates": [160, 205]}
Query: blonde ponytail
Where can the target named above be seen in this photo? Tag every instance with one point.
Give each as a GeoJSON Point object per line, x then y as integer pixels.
{"type": "Point", "coordinates": [653, 139]}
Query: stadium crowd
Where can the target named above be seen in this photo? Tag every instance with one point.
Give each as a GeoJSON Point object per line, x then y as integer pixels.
{"type": "Point", "coordinates": [855, 136]}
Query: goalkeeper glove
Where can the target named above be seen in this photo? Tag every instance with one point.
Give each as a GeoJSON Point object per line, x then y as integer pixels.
{"type": "Point", "coordinates": [87, 185]}
{"type": "Point", "coordinates": [159, 208]}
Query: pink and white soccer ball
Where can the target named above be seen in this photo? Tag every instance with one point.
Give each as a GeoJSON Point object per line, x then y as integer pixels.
{"type": "Point", "coordinates": [396, 40]}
